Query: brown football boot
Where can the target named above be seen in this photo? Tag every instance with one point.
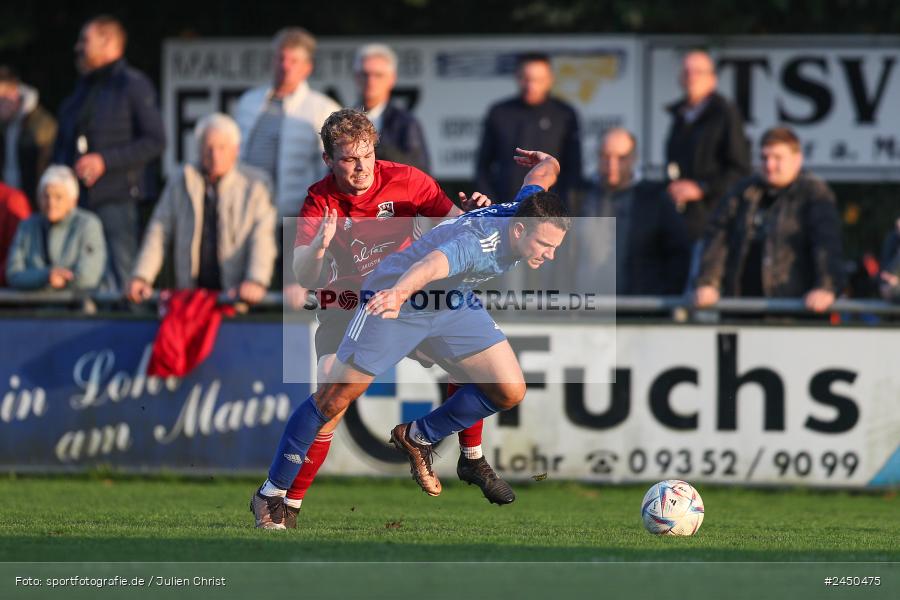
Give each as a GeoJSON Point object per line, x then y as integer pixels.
{"type": "Point", "coordinates": [419, 456]}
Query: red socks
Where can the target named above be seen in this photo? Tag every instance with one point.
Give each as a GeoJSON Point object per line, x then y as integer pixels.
{"type": "Point", "coordinates": [314, 459]}
{"type": "Point", "coordinates": [471, 437]}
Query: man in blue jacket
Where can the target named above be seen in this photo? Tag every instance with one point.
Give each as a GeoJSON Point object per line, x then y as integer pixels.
{"type": "Point", "coordinates": [109, 130]}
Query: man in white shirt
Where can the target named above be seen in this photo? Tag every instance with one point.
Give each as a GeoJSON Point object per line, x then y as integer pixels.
{"type": "Point", "coordinates": [280, 123]}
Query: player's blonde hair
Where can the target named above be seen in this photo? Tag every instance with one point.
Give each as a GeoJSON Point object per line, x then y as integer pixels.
{"type": "Point", "coordinates": [347, 125]}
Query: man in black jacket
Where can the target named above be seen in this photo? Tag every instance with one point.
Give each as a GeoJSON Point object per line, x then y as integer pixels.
{"type": "Point", "coordinates": [706, 150]}
{"type": "Point", "coordinates": [533, 119]}
{"type": "Point", "coordinates": [776, 234]}
{"type": "Point", "coordinates": [400, 136]}
{"type": "Point", "coordinates": [109, 130]}
{"type": "Point", "coordinates": [652, 246]}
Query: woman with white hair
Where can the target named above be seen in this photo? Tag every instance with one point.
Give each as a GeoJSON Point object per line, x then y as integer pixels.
{"type": "Point", "coordinates": [219, 217]}
{"type": "Point", "coordinates": [62, 247]}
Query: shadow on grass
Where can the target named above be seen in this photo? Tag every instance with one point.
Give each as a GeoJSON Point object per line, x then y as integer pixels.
{"type": "Point", "coordinates": [294, 546]}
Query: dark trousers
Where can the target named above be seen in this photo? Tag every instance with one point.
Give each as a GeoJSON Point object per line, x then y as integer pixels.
{"type": "Point", "coordinates": [120, 228]}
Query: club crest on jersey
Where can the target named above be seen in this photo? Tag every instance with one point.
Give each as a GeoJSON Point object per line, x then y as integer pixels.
{"type": "Point", "coordinates": [348, 223]}
{"type": "Point", "coordinates": [385, 211]}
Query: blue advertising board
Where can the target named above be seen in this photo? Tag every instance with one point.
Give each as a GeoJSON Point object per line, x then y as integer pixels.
{"type": "Point", "coordinates": [74, 393]}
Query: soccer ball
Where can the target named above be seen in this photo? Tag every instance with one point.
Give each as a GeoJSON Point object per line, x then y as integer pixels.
{"type": "Point", "coordinates": [672, 507]}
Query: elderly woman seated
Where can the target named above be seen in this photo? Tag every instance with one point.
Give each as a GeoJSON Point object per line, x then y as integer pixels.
{"type": "Point", "coordinates": [63, 246]}
{"type": "Point", "coordinates": [219, 218]}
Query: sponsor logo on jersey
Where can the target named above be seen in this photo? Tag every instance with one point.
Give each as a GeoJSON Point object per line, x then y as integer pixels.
{"type": "Point", "coordinates": [362, 252]}
{"type": "Point", "coordinates": [385, 211]}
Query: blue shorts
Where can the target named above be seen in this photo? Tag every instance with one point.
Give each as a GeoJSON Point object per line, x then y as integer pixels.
{"type": "Point", "coordinates": [374, 345]}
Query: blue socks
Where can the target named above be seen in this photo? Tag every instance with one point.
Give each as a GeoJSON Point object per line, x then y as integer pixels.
{"type": "Point", "coordinates": [298, 436]}
{"type": "Point", "coordinates": [463, 409]}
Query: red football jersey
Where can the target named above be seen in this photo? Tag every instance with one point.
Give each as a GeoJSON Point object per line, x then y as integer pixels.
{"type": "Point", "coordinates": [373, 225]}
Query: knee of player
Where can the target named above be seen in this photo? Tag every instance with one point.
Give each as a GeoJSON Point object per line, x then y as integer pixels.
{"type": "Point", "coordinates": [509, 395]}
{"type": "Point", "coordinates": [330, 401]}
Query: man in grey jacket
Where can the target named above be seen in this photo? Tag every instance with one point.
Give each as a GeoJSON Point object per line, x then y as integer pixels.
{"type": "Point", "coordinates": [219, 217]}
{"type": "Point", "coordinates": [63, 246]}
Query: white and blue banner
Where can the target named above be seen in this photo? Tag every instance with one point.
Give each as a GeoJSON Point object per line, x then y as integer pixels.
{"type": "Point", "coordinates": [837, 91]}
{"type": "Point", "coordinates": [763, 405]}
{"type": "Point", "coordinates": [75, 394]}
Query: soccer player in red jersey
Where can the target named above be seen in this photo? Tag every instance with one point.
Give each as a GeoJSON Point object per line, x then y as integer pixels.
{"type": "Point", "coordinates": [374, 205]}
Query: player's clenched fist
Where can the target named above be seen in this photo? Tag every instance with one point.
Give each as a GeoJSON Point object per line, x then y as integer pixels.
{"type": "Point", "coordinates": [386, 303]}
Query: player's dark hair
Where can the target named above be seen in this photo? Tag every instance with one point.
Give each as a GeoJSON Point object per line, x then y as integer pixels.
{"type": "Point", "coordinates": [530, 57]}
{"type": "Point", "coordinates": [544, 207]}
{"type": "Point", "coordinates": [347, 125]}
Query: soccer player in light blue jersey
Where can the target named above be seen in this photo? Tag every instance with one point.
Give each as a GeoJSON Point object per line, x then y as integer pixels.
{"type": "Point", "coordinates": [457, 332]}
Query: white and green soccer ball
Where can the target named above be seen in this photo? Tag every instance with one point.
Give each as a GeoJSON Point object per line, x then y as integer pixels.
{"type": "Point", "coordinates": [672, 507]}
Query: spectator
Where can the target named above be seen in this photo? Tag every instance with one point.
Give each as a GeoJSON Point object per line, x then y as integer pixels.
{"type": "Point", "coordinates": [280, 124]}
{"type": "Point", "coordinates": [28, 135]}
{"type": "Point", "coordinates": [776, 234]}
{"type": "Point", "coordinates": [63, 246]}
{"type": "Point", "coordinates": [14, 209]}
{"type": "Point", "coordinates": [109, 130]}
{"type": "Point", "coordinates": [652, 245]}
{"type": "Point", "coordinates": [533, 119]}
{"type": "Point", "coordinates": [706, 150]}
{"type": "Point", "coordinates": [400, 136]}
{"type": "Point", "coordinates": [219, 218]}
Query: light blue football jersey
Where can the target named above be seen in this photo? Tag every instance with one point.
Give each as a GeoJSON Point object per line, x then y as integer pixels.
{"type": "Point", "coordinates": [476, 245]}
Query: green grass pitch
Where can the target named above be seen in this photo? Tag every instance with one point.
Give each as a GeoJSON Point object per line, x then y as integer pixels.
{"type": "Point", "coordinates": [132, 519]}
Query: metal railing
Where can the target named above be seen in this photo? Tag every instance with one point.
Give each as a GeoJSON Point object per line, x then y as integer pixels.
{"type": "Point", "coordinates": [603, 305]}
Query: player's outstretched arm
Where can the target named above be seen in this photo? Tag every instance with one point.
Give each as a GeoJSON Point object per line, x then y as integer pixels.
{"type": "Point", "coordinates": [387, 303]}
{"type": "Point", "coordinates": [544, 168]}
{"type": "Point", "coordinates": [307, 260]}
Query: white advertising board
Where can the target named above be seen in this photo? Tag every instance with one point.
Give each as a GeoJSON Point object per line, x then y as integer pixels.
{"type": "Point", "coordinates": [449, 83]}
{"type": "Point", "coordinates": [754, 405]}
{"type": "Point", "coordinates": [840, 93]}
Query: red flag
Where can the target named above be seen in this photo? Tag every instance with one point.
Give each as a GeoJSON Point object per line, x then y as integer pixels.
{"type": "Point", "coordinates": [187, 334]}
